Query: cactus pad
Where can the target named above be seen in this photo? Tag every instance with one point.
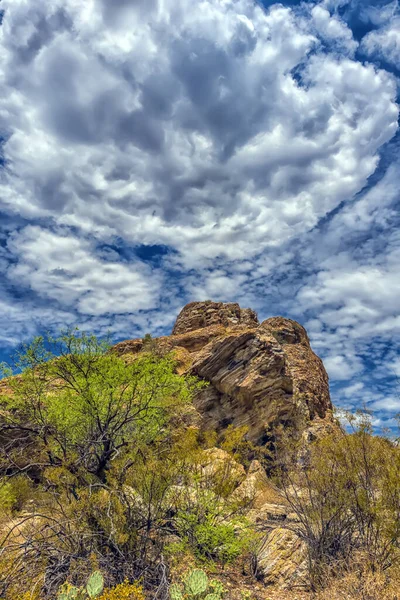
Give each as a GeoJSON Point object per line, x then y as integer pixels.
{"type": "Point", "coordinates": [175, 592]}
{"type": "Point", "coordinates": [196, 582]}
{"type": "Point", "coordinates": [217, 587]}
{"type": "Point", "coordinates": [95, 584]}
{"type": "Point", "coordinates": [69, 593]}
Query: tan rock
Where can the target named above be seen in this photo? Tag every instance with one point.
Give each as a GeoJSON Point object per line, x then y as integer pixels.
{"type": "Point", "coordinates": [310, 379]}
{"type": "Point", "coordinates": [216, 461]}
{"type": "Point", "coordinates": [282, 559]}
{"type": "Point", "coordinates": [198, 315]}
{"type": "Point", "coordinates": [192, 341]}
{"type": "Point", "coordinates": [259, 375]}
{"type": "Point", "coordinates": [267, 515]}
{"type": "Point", "coordinates": [255, 488]}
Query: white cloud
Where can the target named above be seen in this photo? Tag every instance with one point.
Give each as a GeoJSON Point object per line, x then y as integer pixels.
{"type": "Point", "coordinates": [164, 125]}
{"type": "Point", "coordinates": [353, 389]}
{"type": "Point", "coordinates": [356, 291]}
{"type": "Point", "coordinates": [333, 30]}
{"type": "Point", "coordinates": [379, 15]}
{"type": "Point", "coordinates": [384, 42]}
{"type": "Point", "coordinates": [67, 269]}
{"type": "Point", "coordinates": [388, 404]}
{"type": "Point", "coordinates": [341, 368]}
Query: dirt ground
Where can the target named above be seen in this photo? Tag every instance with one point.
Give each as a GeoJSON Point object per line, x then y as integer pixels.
{"type": "Point", "coordinates": [242, 587]}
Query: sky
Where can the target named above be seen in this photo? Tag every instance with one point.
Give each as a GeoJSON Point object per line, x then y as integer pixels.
{"type": "Point", "coordinates": [157, 152]}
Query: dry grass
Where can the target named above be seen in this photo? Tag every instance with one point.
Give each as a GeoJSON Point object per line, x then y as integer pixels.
{"type": "Point", "coordinates": [358, 581]}
{"type": "Point", "coordinates": [355, 586]}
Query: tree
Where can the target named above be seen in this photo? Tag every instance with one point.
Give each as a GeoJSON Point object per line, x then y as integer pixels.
{"type": "Point", "coordinates": [102, 439]}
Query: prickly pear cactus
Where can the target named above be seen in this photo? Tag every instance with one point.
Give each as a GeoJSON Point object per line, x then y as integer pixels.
{"type": "Point", "coordinates": [217, 588]}
{"type": "Point", "coordinates": [95, 584]}
{"type": "Point", "coordinates": [70, 593]}
{"type": "Point", "coordinates": [175, 592]}
{"type": "Point", "coordinates": [196, 583]}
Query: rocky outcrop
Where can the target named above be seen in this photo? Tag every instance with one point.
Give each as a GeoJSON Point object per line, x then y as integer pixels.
{"type": "Point", "coordinates": [198, 315]}
{"type": "Point", "coordinates": [259, 374]}
{"type": "Point", "coordinates": [282, 559]}
{"type": "Point", "coordinates": [256, 489]}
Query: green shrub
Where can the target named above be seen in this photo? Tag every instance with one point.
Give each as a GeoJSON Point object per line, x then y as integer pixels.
{"type": "Point", "coordinates": [105, 439]}
{"type": "Point", "coordinates": [212, 527]}
{"type": "Point", "coordinates": [14, 492]}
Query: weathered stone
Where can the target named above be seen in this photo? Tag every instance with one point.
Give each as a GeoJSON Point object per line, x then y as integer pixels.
{"type": "Point", "coordinates": [268, 515]}
{"type": "Point", "coordinates": [255, 488]}
{"type": "Point", "coordinates": [192, 341]}
{"type": "Point", "coordinates": [216, 461]}
{"type": "Point", "coordinates": [282, 559]}
{"type": "Point", "coordinates": [198, 315]}
{"type": "Point", "coordinates": [259, 375]}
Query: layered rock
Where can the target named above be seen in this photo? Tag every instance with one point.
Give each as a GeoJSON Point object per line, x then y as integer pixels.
{"type": "Point", "coordinates": [198, 315]}
{"type": "Point", "coordinates": [259, 374]}
{"type": "Point", "coordinates": [282, 559]}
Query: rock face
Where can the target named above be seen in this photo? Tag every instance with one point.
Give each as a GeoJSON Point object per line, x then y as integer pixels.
{"type": "Point", "coordinates": [282, 559]}
{"type": "Point", "coordinates": [259, 374]}
{"type": "Point", "coordinates": [198, 315]}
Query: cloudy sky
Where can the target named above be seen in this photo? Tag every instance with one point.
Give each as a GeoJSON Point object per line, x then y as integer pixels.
{"type": "Point", "coordinates": [155, 152]}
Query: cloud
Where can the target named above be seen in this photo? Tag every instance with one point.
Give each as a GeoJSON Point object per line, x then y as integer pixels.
{"type": "Point", "coordinates": [340, 368]}
{"type": "Point", "coordinates": [384, 42]}
{"type": "Point", "coordinates": [333, 30]}
{"type": "Point", "coordinates": [357, 287]}
{"type": "Point", "coordinates": [226, 134]}
{"type": "Point", "coordinates": [379, 14]}
{"type": "Point", "coordinates": [387, 404]}
{"type": "Point", "coordinates": [68, 270]}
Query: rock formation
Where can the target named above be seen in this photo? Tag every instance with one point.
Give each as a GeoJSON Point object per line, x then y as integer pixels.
{"type": "Point", "coordinates": [259, 374]}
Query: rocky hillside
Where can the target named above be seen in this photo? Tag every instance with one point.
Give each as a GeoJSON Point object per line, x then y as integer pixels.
{"type": "Point", "coordinates": [260, 374]}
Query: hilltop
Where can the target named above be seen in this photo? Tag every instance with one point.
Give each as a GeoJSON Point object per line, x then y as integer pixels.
{"type": "Point", "coordinates": [203, 465]}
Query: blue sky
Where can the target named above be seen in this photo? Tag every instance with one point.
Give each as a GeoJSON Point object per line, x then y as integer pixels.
{"type": "Point", "coordinates": [155, 152]}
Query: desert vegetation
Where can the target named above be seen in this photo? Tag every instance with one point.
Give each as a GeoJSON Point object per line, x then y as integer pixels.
{"type": "Point", "coordinates": [345, 492]}
{"type": "Point", "coordinates": [101, 469]}
{"type": "Point", "coordinates": [110, 488]}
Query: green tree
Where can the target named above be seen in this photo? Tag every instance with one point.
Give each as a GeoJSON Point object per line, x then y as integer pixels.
{"type": "Point", "coordinates": [103, 439]}
{"type": "Point", "coordinates": [79, 405]}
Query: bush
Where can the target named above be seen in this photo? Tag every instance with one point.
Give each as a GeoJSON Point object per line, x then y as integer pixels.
{"type": "Point", "coordinates": [356, 580]}
{"type": "Point", "coordinates": [105, 448]}
{"type": "Point", "coordinates": [346, 495]}
{"type": "Point", "coordinates": [124, 591]}
{"type": "Point", "coordinates": [213, 526]}
{"type": "Point", "coordinates": [102, 440]}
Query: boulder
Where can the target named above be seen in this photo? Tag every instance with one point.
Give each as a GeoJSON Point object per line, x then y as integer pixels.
{"type": "Point", "coordinates": [259, 375]}
{"type": "Point", "coordinates": [282, 559]}
{"type": "Point", "coordinates": [217, 462]}
{"type": "Point", "coordinates": [198, 315]}
{"type": "Point", "coordinates": [256, 488]}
